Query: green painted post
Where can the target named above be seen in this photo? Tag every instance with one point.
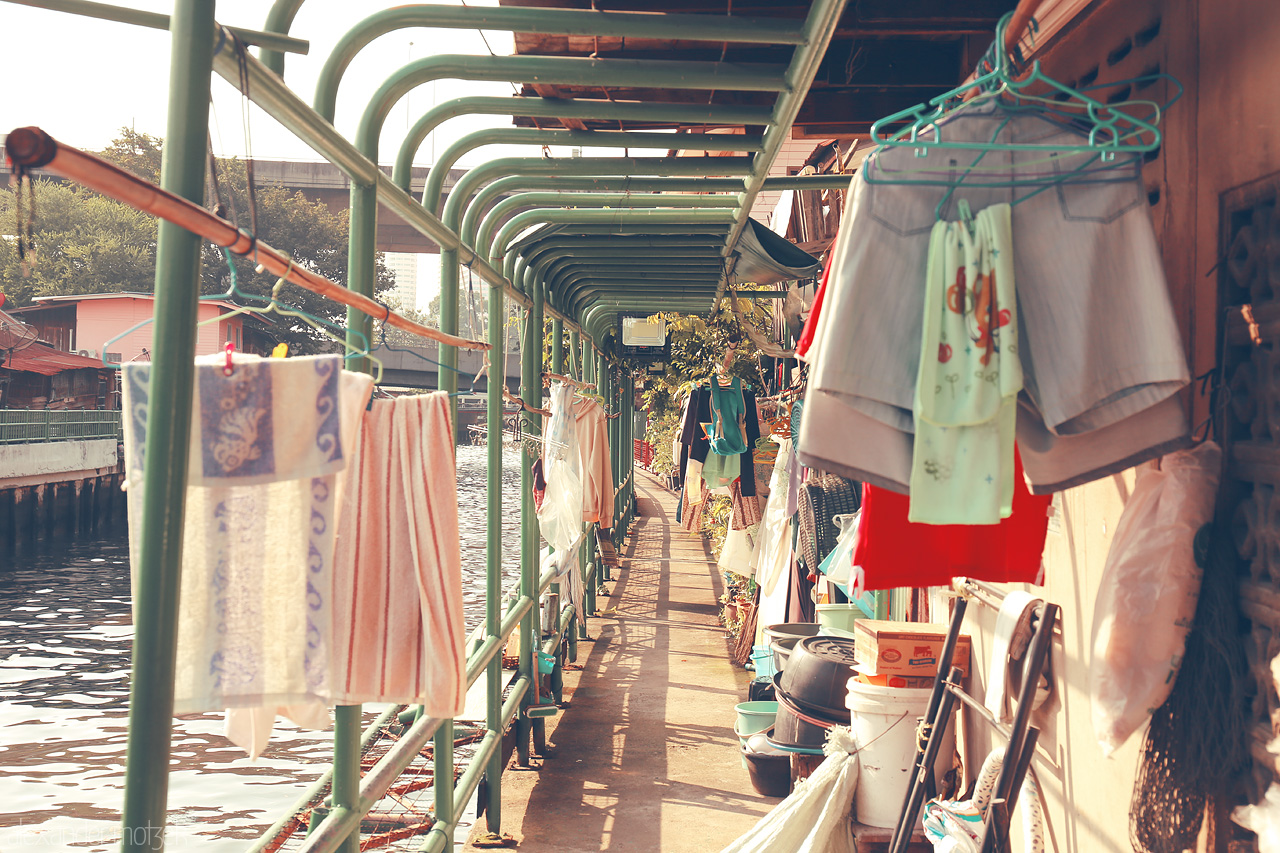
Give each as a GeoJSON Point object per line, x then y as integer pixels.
{"type": "Point", "coordinates": [361, 268]}
{"type": "Point", "coordinates": [493, 550]}
{"type": "Point", "coordinates": [557, 366]}
{"type": "Point", "coordinates": [448, 373]}
{"type": "Point", "coordinates": [575, 355]}
{"type": "Point", "coordinates": [588, 547]}
{"type": "Point", "coordinates": [168, 435]}
{"type": "Point", "coordinates": [530, 568]}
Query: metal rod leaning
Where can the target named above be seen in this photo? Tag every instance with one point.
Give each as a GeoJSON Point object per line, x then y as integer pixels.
{"type": "Point", "coordinates": [916, 797]}
{"type": "Point", "coordinates": [935, 698]}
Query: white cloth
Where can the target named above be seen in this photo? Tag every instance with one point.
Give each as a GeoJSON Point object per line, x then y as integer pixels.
{"type": "Point", "coordinates": [258, 535]}
{"type": "Point", "coordinates": [774, 544]}
{"type": "Point", "coordinates": [817, 817]}
{"type": "Point", "coordinates": [560, 516]}
{"type": "Point", "coordinates": [1015, 611]}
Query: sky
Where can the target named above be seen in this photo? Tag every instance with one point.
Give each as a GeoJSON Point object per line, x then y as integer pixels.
{"type": "Point", "coordinates": [84, 78]}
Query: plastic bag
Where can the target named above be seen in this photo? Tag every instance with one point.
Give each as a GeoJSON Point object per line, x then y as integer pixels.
{"type": "Point", "coordinates": [1147, 598]}
{"type": "Point", "coordinates": [560, 517]}
{"type": "Point", "coordinates": [838, 565]}
{"type": "Point", "coordinates": [817, 816]}
{"type": "Point", "coordinates": [1263, 820]}
{"type": "Point", "coordinates": [955, 826]}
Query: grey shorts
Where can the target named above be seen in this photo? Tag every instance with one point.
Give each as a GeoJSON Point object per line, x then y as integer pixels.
{"type": "Point", "coordinates": [1099, 342]}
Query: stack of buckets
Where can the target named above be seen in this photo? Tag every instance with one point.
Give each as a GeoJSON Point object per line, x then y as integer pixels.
{"type": "Point", "coordinates": [884, 720]}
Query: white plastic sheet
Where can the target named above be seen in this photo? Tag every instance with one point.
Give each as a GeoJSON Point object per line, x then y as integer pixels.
{"type": "Point", "coordinates": [1147, 598]}
{"type": "Point", "coordinates": [560, 517]}
{"type": "Point", "coordinates": [817, 817]}
{"type": "Point", "coordinates": [1263, 819]}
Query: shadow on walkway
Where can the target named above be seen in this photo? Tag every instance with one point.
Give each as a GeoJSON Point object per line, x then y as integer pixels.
{"type": "Point", "coordinates": [646, 758]}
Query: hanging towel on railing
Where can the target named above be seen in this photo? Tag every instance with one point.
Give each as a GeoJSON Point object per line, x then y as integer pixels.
{"type": "Point", "coordinates": [597, 468]}
{"type": "Point", "coordinates": [258, 535]}
{"type": "Point", "coordinates": [397, 605]}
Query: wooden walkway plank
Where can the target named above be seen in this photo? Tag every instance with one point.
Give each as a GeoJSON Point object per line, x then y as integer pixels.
{"type": "Point", "coordinates": [645, 759]}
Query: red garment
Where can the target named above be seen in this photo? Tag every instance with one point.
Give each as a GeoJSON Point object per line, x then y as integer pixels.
{"type": "Point", "coordinates": [894, 552]}
{"type": "Point", "coordinates": [811, 323]}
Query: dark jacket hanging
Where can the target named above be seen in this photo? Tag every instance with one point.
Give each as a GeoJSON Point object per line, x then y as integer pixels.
{"type": "Point", "coordinates": [694, 442]}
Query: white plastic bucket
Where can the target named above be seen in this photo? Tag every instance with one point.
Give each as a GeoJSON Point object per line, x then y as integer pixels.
{"type": "Point", "coordinates": [884, 721]}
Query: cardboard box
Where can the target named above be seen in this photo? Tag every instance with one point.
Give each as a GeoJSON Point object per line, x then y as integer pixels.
{"type": "Point", "coordinates": [905, 648]}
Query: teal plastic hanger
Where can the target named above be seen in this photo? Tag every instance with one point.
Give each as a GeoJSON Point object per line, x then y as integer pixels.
{"type": "Point", "coordinates": [1110, 130]}
{"type": "Point", "coordinates": [233, 291]}
{"type": "Point", "coordinates": [270, 304]}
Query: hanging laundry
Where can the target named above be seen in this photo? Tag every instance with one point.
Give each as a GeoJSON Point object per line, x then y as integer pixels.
{"type": "Point", "coordinates": [745, 509]}
{"type": "Point", "coordinates": [560, 515]}
{"type": "Point", "coordinates": [539, 485]}
{"type": "Point", "coordinates": [592, 427]}
{"type": "Point", "coordinates": [1100, 348]}
{"type": "Point", "coordinates": [719, 471]}
{"type": "Point", "coordinates": [894, 552]}
{"type": "Point", "coordinates": [821, 499]}
{"type": "Point", "coordinates": [251, 728]}
{"type": "Point", "coordinates": [805, 343]}
{"type": "Point", "coordinates": [970, 375]}
{"type": "Point", "coordinates": [257, 553]}
{"type": "Point", "coordinates": [728, 418]}
{"type": "Point", "coordinates": [695, 444]}
{"type": "Point", "coordinates": [397, 602]}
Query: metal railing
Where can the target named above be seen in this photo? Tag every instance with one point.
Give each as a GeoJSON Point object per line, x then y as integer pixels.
{"type": "Point", "coordinates": [20, 426]}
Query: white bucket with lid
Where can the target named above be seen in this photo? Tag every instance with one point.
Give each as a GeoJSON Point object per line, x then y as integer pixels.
{"type": "Point", "coordinates": [884, 722]}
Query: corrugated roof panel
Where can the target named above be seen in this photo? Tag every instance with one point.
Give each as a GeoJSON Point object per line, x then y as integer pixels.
{"type": "Point", "coordinates": [48, 361]}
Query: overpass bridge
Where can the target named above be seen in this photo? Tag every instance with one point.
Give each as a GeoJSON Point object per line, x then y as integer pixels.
{"type": "Point", "coordinates": [326, 183]}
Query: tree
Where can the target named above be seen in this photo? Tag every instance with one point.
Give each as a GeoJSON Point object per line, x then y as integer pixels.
{"type": "Point", "coordinates": [82, 243]}
{"type": "Point", "coordinates": [85, 243]}
{"type": "Point", "coordinates": [698, 347]}
{"type": "Point", "coordinates": [140, 153]}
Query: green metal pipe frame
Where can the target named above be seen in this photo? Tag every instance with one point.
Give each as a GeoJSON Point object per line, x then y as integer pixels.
{"type": "Point", "coordinates": [594, 201]}
{"type": "Point", "coordinates": [159, 21]}
{"type": "Point", "coordinates": [579, 138]}
{"type": "Point", "coordinates": [513, 226]}
{"type": "Point", "coordinates": [819, 25]}
{"type": "Point", "coordinates": [557, 108]}
{"type": "Point", "coordinates": [279, 20]}
{"type": "Point", "coordinates": [555, 71]}
{"type": "Point", "coordinates": [159, 562]}
{"type": "Point", "coordinates": [598, 183]}
{"type": "Point", "coordinates": [553, 21]}
{"type": "Point", "coordinates": [592, 310]}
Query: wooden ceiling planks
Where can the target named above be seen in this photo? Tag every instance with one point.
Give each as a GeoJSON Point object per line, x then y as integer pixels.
{"type": "Point", "coordinates": [886, 55]}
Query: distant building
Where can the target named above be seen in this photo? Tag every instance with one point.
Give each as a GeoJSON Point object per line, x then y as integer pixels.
{"type": "Point", "coordinates": [404, 267]}
{"type": "Point", "coordinates": [85, 324]}
{"type": "Point", "coordinates": [35, 375]}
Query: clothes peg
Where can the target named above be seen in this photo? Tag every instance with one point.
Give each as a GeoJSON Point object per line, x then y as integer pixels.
{"type": "Point", "coordinates": [227, 368]}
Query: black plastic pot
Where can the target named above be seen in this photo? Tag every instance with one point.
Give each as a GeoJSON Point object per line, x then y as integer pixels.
{"type": "Point", "coordinates": [770, 771]}
{"type": "Point", "coordinates": [798, 727]}
{"type": "Point", "coordinates": [817, 674]}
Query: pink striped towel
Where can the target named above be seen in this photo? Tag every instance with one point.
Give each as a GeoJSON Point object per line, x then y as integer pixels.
{"type": "Point", "coordinates": [397, 602]}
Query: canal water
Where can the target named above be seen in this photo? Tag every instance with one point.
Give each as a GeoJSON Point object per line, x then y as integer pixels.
{"type": "Point", "coordinates": [65, 633]}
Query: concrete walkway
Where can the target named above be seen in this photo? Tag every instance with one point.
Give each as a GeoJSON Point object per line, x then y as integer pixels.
{"type": "Point", "coordinates": [645, 759]}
